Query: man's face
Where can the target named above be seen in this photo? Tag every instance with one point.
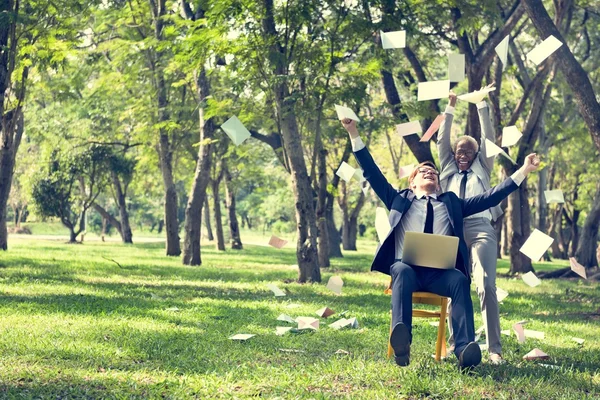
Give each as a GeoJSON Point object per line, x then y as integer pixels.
{"type": "Point", "coordinates": [465, 154]}
{"type": "Point", "coordinates": [426, 180]}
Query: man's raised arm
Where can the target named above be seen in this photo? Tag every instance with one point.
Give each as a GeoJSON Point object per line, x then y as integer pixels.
{"type": "Point", "coordinates": [443, 141]}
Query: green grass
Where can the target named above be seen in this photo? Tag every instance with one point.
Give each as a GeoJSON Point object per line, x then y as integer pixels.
{"type": "Point", "coordinates": [74, 324]}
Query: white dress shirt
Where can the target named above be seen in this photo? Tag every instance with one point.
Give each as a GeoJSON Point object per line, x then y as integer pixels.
{"type": "Point", "coordinates": [474, 187]}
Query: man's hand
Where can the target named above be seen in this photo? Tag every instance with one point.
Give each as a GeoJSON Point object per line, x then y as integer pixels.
{"type": "Point", "coordinates": [350, 126]}
{"type": "Point", "coordinates": [452, 97]}
{"type": "Point", "coordinates": [532, 163]}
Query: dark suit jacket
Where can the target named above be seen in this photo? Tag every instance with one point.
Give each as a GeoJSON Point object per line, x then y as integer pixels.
{"type": "Point", "coordinates": [399, 201]}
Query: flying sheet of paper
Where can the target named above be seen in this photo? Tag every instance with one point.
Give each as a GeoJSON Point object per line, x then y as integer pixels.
{"type": "Point", "coordinates": [510, 135]}
{"type": "Point", "coordinates": [276, 291]}
{"type": "Point", "coordinates": [476, 96]}
{"type": "Point", "coordinates": [554, 196]}
{"type": "Point", "coordinates": [307, 323]}
{"type": "Point", "coordinates": [501, 294]}
{"type": "Point", "coordinates": [282, 330]}
{"type": "Point", "coordinates": [502, 51]}
{"type": "Point", "coordinates": [382, 223]}
{"type": "Point", "coordinates": [346, 171]}
{"type": "Point", "coordinates": [365, 188]}
{"type": "Point", "coordinates": [577, 268]}
{"type": "Point", "coordinates": [285, 318]}
{"type": "Point", "coordinates": [530, 333]}
{"type": "Point", "coordinates": [544, 50]}
{"type": "Point", "coordinates": [345, 112]}
{"type": "Point", "coordinates": [325, 312]}
{"type": "Point", "coordinates": [409, 128]}
{"type": "Point", "coordinates": [360, 175]}
{"type": "Point", "coordinates": [530, 279]}
{"type": "Point", "coordinates": [433, 90]}
{"type": "Point", "coordinates": [491, 150]}
{"type": "Point", "coordinates": [277, 242]}
{"type": "Point", "coordinates": [456, 67]}
{"type": "Point", "coordinates": [536, 245]}
{"type": "Point", "coordinates": [405, 171]}
{"type": "Point", "coordinates": [241, 336]}
{"type": "Point", "coordinates": [433, 128]}
{"type": "Point", "coordinates": [335, 284]}
{"type": "Point", "coordinates": [236, 131]}
{"type": "Point", "coordinates": [536, 354]}
{"type": "Point", "coordinates": [520, 332]}
{"type": "Point", "coordinates": [393, 40]}
{"type": "Point", "coordinates": [578, 340]}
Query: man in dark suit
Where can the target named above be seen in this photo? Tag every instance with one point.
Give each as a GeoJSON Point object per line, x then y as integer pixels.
{"type": "Point", "coordinates": [422, 209]}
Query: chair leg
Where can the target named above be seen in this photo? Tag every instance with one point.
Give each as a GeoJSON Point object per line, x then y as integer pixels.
{"type": "Point", "coordinates": [390, 351]}
{"type": "Point", "coordinates": [440, 346]}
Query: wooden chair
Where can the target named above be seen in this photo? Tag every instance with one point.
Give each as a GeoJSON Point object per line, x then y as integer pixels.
{"type": "Point", "coordinates": [433, 299]}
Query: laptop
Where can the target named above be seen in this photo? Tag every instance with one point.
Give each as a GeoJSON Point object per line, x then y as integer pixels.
{"type": "Point", "coordinates": [427, 250]}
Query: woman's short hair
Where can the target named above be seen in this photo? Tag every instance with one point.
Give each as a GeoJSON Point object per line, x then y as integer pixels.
{"type": "Point", "coordinates": [463, 139]}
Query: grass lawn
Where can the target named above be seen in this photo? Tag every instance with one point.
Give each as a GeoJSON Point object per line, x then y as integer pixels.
{"type": "Point", "coordinates": [75, 324]}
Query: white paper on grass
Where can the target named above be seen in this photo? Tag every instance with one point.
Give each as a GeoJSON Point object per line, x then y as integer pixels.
{"type": "Point", "coordinates": [544, 50]}
{"type": "Point", "coordinates": [502, 51]}
{"type": "Point", "coordinates": [307, 323]}
{"type": "Point", "coordinates": [285, 318]}
{"type": "Point", "coordinates": [406, 171]}
{"type": "Point", "coordinates": [534, 354]}
{"type": "Point", "coordinates": [456, 67]}
{"type": "Point", "coordinates": [529, 333]}
{"type": "Point", "coordinates": [393, 40]}
{"type": "Point", "coordinates": [510, 135]}
{"type": "Point", "coordinates": [382, 223]}
{"type": "Point", "coordinates": [501, 294]}
{"type": "Point", "coordinates": [536, 245]}
{"type": "Point", "coordinates": [433, 90]}
{"type": "Point", "coordinates": [346, 171]}
{"type": "Point", "coordinates": [476, 96]}
{"type": "Point", "coordinates": [492, 149]}
{"type": "Point", "coordinates": [236, 131]}
{"type": "Point", "coordinates": [276, 291]}
{"type": "Point", "coordinates": [282, 330]}
{"type": "Point", "coordinates": [241, 336]}
{"type": "Point", "coordinates": [578, 340]}
{"type": "Point", "coordinates": [345, 113]}
{"type": "Point", "coordinates": [530, 279]}
{"type": "Point", "coordinates": [409, 128]}
{"type": "Point", "coordinates": [335, 284]}
{"type": "Point", "coordinates": [554, 196]}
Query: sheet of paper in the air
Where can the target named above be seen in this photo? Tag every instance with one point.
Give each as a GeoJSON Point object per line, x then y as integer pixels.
{"type": "Point", "coordinates": [535, 354]}
{"type": "Point", "coordinates": [554, 196]}
{"type": "Point", "coordinates": [236, 131]}
{"type": "Point", "coordinates": [530, 333]}
{"type": "Point", "coordinates": [382, 223]}
{"type": "Point", "coordinates": [577, 268]}
{"type": "Point", "coordinates": [277, 242]}
{"type": "Point", "coordinates": [476, 96]}
{"type": "Point", "coordinates": [307, 323]}
{"type": "Point", "coordinates": [536, 245]}
{"type": "Point", "coordinates": [345, 171]}
{"type": "Point", "coordinates": [405, 171]}
{"type": "Point", "coordinates": [456, 67]}
{"type": "Point", "coordinates": [433, 128]}
{"type": "Point", "coordinates": [492, 149]}
{"type": "Point", "coordinates": [501, 294]}
{"type": "Point", "coordinates": [409, 128]}
{"type": "Point", "coordinates": [502, 51]}
{"type": "Point", "coordinates": [530, 279]}
{"type": "Point", "coordinates": [276, 291]}
{"type": "Point", "coordinates": [360, 175]}
{"type": "Point", "coordinates": [285, 318]}
{"type": "Point", "coordinates": [433, 90]}
{"type": "Point", "coordinates": [510, 135]}
{"type": "Point", "coordinates": [241, 336]}
{"type": "Point", "coordinates": [345, 112]}
{"type": "Point", "coordinates": [335, 284]}
{"type": "Point", "coordinates": [365, 188]}
{"type": "Point", "coordinates": [544, 50]}
{"type": "Point", "coordinates": [325, 312]}
{"type": "Point", "coordinates": [520, 332]}
{"type": "Point", "coordinates": [393, 40]}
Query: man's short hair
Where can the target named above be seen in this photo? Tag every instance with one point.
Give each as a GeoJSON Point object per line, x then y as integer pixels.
{"type": "Point", "coordinates": [465, 138]}
{"type": "Point", "coordinates": [416, 170]}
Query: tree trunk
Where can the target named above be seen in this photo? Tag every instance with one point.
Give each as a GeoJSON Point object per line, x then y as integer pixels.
{"type": "Point", "coordinates": [125, 230]}
{"type": "Point", "coordinates": [586, 250]}
{"type": "Point", "coordinates": [335, 241]}
{"type": "Point", "coordinates": [207, 223]}
{"type": "Point", "coordinates": [234, 228]}
{"type": "Point", "coordinates": [321, 210]}
{"type": "Point", "coordinates": [217, 208]}
{"type": "Point", "coordinates": [11, 131]}
{"type": "Point", "coordinates": [106, 216]}
{"type": "Point", "coordinates": [349, 233]}
{"type": "Point", "coordinates": [72, 235]}
{"type": "Point", "coordinates": [519, 229]}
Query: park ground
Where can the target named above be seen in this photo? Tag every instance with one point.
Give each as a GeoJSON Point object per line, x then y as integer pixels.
{"type": "Point", "coordinates": [112, 321]}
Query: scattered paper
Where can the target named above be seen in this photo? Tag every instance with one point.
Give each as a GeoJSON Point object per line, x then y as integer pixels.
{"type": "Point", "coordinates": [360, 175]}
{"type": "Point", "coordinates": [276, 291]}
{"type": "Point", "coordinates": [344, 322]}
{"type": "Point", "coordinates": [282, 330]}
{"type": "Point", "coordinates": [340, 351]}
{"type": "Point", "coordinates": [530, 279]}
{"type": "Point", "coordinates": [578, 340]}
{"type": "Point", "coordinates": [292, 305]}
{"type": "Point", "coordinates": [492, 149]}
{"type": "Point", "coordinates": [405, 171]}
{"type": "Point", "coordinates": [554, 196]}
{"type": "Point", "coordinates": [530, 333]}
{"type": "Point", "coordinates": [433, 90]}
{"type": "Point", "coordinates": [536, 245]}
{"type": "Point", "coordinates": [501, 294]}
{"type": "Point", "coordinates": [236, 131]}
{"type": "Point", "coordinates": [483, 346]}
{"type": "Point", "coordinates": [393, 40]}
{"type": "Point", "coordinates": [345, 171]}
{"type": "Point", "coordinates": [536, 354]}
{"type": "Point", "coordinates": [433, 323]}
{"type": "Point", "coordinates": [433, 128]}
{"type": "Point", "coordinates": [408, 128]}
{"type": "Point", "coordinates": [549, 366]}
{"type": "Point", "coordinates": [510, 135]}
{"type": "Point", "coordinates": [241, 336]}
{"type": "Point", "coordinates": [520, 332]}
{"type": "Point", "coordinates": [544, 50]}
{"type": "Point", "coordinates": [325, 312]}
{"type": "Point", "coordinates": [353, 322]}
{"type": "Point", "coordinates": [478, 333]}
{"type": "Point", "coordinates": [577, 268]}
{"type": "Point", "coordinates": [335, 284]}
{"type": "Point", "coordinates": [456, 67]}
{"type": "Point", "coordinates": [172, 309]}
{"type": "Point", "coordinates": [476, 96]}
{"type": "Point", "coordinates": [502, 51]}
{"type": "Point", "coordinates": [505, 332]}
{"type": "Point", "coordinates": [307, 323]}
{"type": "Point", "coordinates": [382, 223]}
{"type": "Point", "coordinates": [155, 297]}
{"type": "Point", "coordinates": [292, 351]}
{"type": "Point", "coordinates": [285, 318]}
{"type": "Point", "coordinates": [345, 113]}
{"type": "Point", "coordinates": [277, 242]}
